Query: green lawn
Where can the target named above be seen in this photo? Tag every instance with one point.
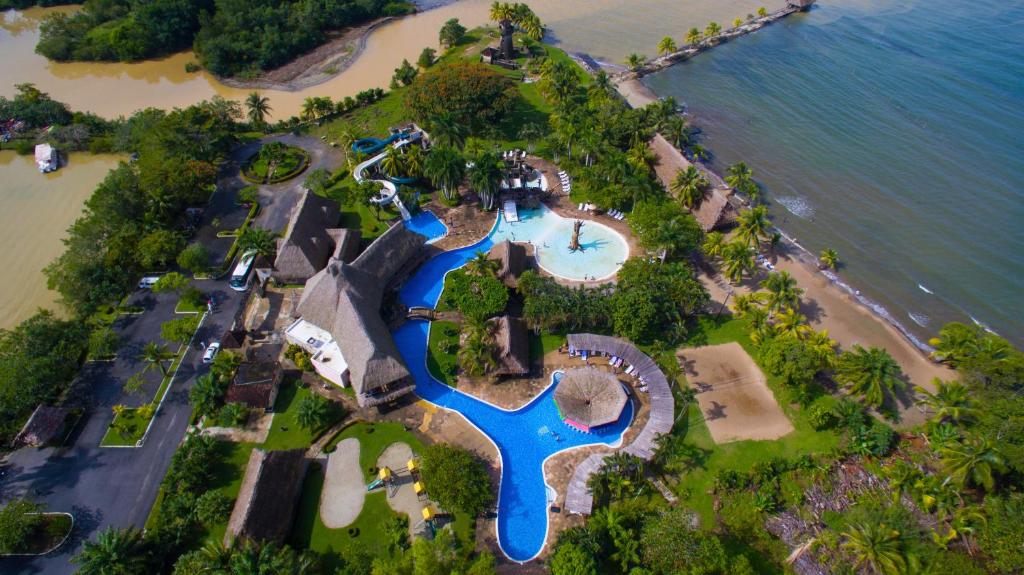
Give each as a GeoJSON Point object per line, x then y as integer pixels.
{"type": "Point", "coordinates": [694, 487]}
{"type": "Point", "coordinates": [290, 164]}
{"type": "Point", "coordinates": [228, 469]}
{"type": "Point", "coordinates": [285, 433]}
{"type": "Point", "coordinates": [125, 430]}
{"type": "Point", "coordinates": [187, 307]}
{"type": "Point", "coordinates": [443, 365]}
{"type": "Point", "coordinates": [361, 217]}
{"type": "Point", "coordinates": [374, 438]}
{"type": "Point", "coordinates": [541, 345]}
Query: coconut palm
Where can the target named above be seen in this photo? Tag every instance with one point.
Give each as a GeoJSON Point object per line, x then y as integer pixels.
{"type": "Point", "coordinates": [950, 402]}
{"type": "Point", "coordinates": [698, 153]}
{"type": "Point", "coordinates": [258, 108]}
{"type": "Point", "coordinates": [309, 107]}
{"type": "Point", "coordinates": [753, 225]}
{"type": "Point", "coordinates": [738, 175]}
{"type": "Point", "coordinates": [693, 36]}
{"type": "Point", "coordinates": [530, 133]}
{"type": "Point", "coordinates": [712, 30]}
{"type": "Point", "coordinates": [155, 355]}
{"type": "Point", "coordinates": [782, 291]}
{"type": "Point", "coordinates": [762, 12]}
{"type": "Point", "coordinates": [533, 28]}
{"type": "Point", "coordinates": [477, 353]}
{"type": "Point", "coordinates": [447, 130]}
{"type": "Point", "coordinates": [737, 260]}
{"type": "Point", "coordinates": [821, 345]}
{"type": "Point", "coordinates": [666, 46]}
{"type": "Point", "coordinates": [445, 168]}
{"type": "Point", "coordinates": [259, 240]}
{"type": "Point", "coordinates": [635, 61]}
{"type": "Point", "coordinates": [973, 462]}
{"type": "Point", "coordinates": [676, 131]}
{"type": "Point", "coordinates": [958, 342]}
{"type": "Point", "coordinates": [714, 243]}
{"type": "Point", "coordinates": [393, 164]}
{"type": "Point", "coordinates": [115, 552]}
{"type": "Point", "coordinates": [689, 187]}
{"type": "Point", "coordinates": [829, 259]}
{"type": "Point", "coordinates": [312, 413]}
{"type": "Point", "coordinates": [792, 323]}
{"type": "Point", "coordinates": [871, 373]}
{"type": "Point", "coordinates": [640, 157]}
{"type": "Point", "coordinates": [737, 22]}
{"type": "Point", "coordinates": [876, 547]}
{"type": "Point", "coordinates": [414, 161]}
{"type": "Point", "coordinates": [485, 177]}
{"type": "Point", "coordinates": [480, 265]}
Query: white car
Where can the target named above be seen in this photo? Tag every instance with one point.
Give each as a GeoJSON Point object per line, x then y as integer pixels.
{"type": "Point", "coordinates": [211, 352]}
{"type": "Point", "coordinates": [148, 282]}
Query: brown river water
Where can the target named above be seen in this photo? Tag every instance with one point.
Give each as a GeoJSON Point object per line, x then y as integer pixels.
{"type": "Point", "coordinates": [35, 210]}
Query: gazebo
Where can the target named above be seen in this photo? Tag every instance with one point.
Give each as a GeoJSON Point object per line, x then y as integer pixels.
{"type": "Point", "coordinates": [589, 397]}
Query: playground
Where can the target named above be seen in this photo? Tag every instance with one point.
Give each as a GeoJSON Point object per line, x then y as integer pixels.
{"type": "Point", "coordinates": [733, 395]}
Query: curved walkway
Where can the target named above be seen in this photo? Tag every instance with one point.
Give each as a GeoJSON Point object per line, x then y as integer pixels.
{"type": "Point", "coordinates": [342, 498]}
{"type": "Point", "coordinates": [578, 498]}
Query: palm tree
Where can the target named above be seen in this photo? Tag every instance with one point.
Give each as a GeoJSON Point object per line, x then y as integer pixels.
{"type": "Point", "coordinates": [829, 259]}
{"type": "Point", "coordinates": [762, 12]}
{"type": "Point", "coordinates": [530, 132]}
{"type": "Point", "coordinates": [693, 36]}
{"type": "Point", "coordinates": [782, 291]}
{"type": "Point", "coordinates": [737, 22]}
{"type": "Point", "coordinates": [870, 373]}
{"type": "Point", "coordinates": [448, 131]}
{"type": "Point", "coordinates": [481, 266]}
{"type": "Point", "coordinates": [666, 46]}
{"type": "Point", "coordinates": [714, 243]}
{"type": "Point", "coordinates": [712, 30]}
{"type": "Point", "coordinates": [258, 108]}
{"type": "Point", "coordinates": [115, 552]}
{"type": "Point", "coordinates": [698, 153]}
{"type": "Point", "coordinates": [640, 157]}
{"type": "Point", "coordinates": [259, 240]}
{"type": "Point", "coordinates": [822, 346]}
{"type": "Point", "coordinates": [312, 413]}
{"type": "Point", "coordinates": [533, 28]}
{"type": "Point", "coordinates": [676, 131]}
{"type": "Point", "coordinates": [485, 176]}
{"type": "Point", "coordinates": [413, 161]}
{"type": "Point", "coordinates": [792, 323]}
{"type": "Point", "coordinates": [155, 355]}
{"type": "Point", "coordinates": [950, 402]}
{"type": "Point", "coordinates": [393, 164]}
{"type": "Point", "coordinates": [590, 142]}
{"type": "Point", "coordinates": [689, 186]}
{"type": "Point", "coordinates": [738, 175]}
{"type": "Point", "coordinates": [737, 260]}
{"type": "Point", "coordinates": [635, 61]}
{"type": "Point", "coordinates": [975, 461]}
{"type": "Point", "coordinates": [477, 354]}
{"type": "Point", "coordinates": [753, 225]}
{"type": "Point", "coordinates": [877, 547]}
{"type": "Point", "coordinates": [445, 168]}
{"type": "Point", "coordinates": [309, 106]}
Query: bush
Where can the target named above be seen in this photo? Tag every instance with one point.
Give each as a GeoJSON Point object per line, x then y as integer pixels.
{"type": "Point", "coordinates": [213, 507]}
{"type": "Point", "coordinates": [248, 194]}
{"type": "Point", "coordinates": [193, 297]}
{"type": "Point", "coordinates": [103, 342]}
{"type": "Point", "coordinates": [233, 415]}
{"type": "Point", "coordinates": [180, 329]}
{"type": "Point", "coordinates": [457, 479]}
{"type": "Point", "coordinates": [195, 258]}
{"type": "Point", "coordinates": [822, 413]}
{"type": "Point", "coordinates": [24, 147]}
{"type": "Point", "coordinates": [476, 296]}
{"type": "Point", "coordinates": [299, 357]}
{"type": "Point", "coordinates": [18, 520]}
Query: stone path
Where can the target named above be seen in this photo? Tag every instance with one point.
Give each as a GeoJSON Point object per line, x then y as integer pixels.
{"type": "Point", "coordinates": [342, 498]}
{"type": "Point", "coordinates": [403, 499]}
{"type": "Point", "coordinates": [256, 431]}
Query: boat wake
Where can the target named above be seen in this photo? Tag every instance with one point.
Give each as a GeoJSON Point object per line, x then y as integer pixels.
{"type": "Point", "coordinates": [920, 319]}
{"type": "Point", "coordinates": [982, 325]}
{"type": "Point", "coordinates": [925, 290]}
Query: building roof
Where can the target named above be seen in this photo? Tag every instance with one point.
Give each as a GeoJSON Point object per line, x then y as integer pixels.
{"type": "Point", "coordinates": [512, 260]}
{"type": "Point", "coordinates": [267, 499]}
{"type": "Point", "coordinates": [513, 346]}
{"type": "Point", "coordinates": [308, 244]}
{"type": "Point", "coordinates": [712, 210]}
{"type": "Point", "coordinates": [255, 384]}
{"type": "Point", "coordinates": [346, 243]}
{"type": "Point", "coordinates": [590, 397]}
{"type": "Point", "coordinates": [345, 300]}
{"type": "Point", "coordinates": [43, 426]}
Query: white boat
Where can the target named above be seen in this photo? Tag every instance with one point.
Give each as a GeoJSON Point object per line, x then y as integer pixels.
{"type": "Point", "coordinates": [47, 158]}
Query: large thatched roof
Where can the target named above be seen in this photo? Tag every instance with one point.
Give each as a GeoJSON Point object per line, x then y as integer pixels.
{"type": "Point", "coordinates": [42, 427]}
{"type": "Point", "coordinates": [590, 397]}
{"type": "Point", "coordinates": [345, 300]}
{"type": "Point", "coordinates": [513, 346]}
{"type": "Point", "coordinates": [309, 242]}
{"type": "Point", "coordinates": [512, 260]}
{"type": "Point", "coordinates": [268, 497]}
{"type": "Point", "coordinates": [715, 207]}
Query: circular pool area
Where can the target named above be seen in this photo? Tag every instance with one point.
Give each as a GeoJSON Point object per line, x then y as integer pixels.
{"type": "Point", "coordinates": [604, 249]}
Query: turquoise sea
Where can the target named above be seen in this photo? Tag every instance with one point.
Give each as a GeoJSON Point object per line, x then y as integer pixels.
{"type": "Point", "coordinates": [892, 132]}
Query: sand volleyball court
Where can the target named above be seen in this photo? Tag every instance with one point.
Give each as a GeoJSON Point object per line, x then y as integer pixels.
{"type": "Point", "coordinates": [732, 394]}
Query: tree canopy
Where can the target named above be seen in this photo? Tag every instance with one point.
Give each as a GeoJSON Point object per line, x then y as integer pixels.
{"type": "Point", "coordinates": [457, 479]}
{"type": "Point", "coordinates": [471, 92]}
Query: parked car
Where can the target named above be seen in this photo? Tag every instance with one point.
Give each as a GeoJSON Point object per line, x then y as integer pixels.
{"type": "Point", "coordinates": [211, 352]}
{"type": "Point", "coordinates": [148, 281]}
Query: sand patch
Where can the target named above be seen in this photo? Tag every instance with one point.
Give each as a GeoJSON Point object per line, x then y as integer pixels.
{"type": "Point", "coordinates": [342, 498]}
{"type": "Point", "coordinates": [401, 494]}
{"type": "Point", "coordinates": [733, 394]}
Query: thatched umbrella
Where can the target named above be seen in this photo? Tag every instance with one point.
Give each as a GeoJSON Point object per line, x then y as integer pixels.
{"type": "Point", "coordinates": [588, 397]}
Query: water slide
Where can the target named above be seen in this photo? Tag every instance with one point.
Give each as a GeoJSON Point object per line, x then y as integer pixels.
{"type": "Point", "coordinates": [389, 186]}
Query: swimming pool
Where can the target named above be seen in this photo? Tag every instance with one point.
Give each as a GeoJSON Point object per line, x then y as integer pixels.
{"type": "Point", "coordinates": [427, 224]}
{"type": "Point", "coordinates": [604, 249]}
{"type": "Point", "coordinates": [522, 437]}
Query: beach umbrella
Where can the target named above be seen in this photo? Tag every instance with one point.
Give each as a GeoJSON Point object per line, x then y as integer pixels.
{"type": "Point", "coordinates": [589, 397]}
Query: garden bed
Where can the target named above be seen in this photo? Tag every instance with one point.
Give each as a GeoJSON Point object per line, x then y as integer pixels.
{"type": "Point", "coordinates": [52, 531]}
{"type": "Point", "coordinates": [129, 427]}
{"type": "Point", "coordinates": [261, 170]}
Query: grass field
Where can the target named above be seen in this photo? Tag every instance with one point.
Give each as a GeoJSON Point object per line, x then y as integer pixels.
{"type": "Point", "coordinates": [443, 365]}
{"type": "Point", "coordinates": [129, 427]}
{"type": "Point", "coordinates": [285, 433]}
{"type": "Point", "coordinates": [374, 438]}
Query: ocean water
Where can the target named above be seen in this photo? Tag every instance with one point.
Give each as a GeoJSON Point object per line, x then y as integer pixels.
{"type": "Point", "coordinates": [892, 132]}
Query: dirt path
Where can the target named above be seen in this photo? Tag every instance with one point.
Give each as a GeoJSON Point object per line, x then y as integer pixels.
{"type": "Point", "coordinates": [342, 498]}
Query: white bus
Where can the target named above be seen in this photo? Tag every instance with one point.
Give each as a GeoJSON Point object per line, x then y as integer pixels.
{"type": "Point", "coordinates": [242, 274]}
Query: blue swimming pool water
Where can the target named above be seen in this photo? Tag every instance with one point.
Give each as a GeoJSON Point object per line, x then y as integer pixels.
{"type": "Point", "coordinates": [604, 249]}
{"type": "Point", "coordinates": [523, 437]}
{"type": "Point", "coordinates": [427, 224]}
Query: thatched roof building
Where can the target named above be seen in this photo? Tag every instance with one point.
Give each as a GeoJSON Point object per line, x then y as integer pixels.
{"type": "Point", "coordinates": [714, 210]}
{"type": "Point", "coordinates": [589, 397]}
{"type": "Point", "coordinates": [512, 260]}
{"type": "Point", "coordinates": [513, 346]}
{"type": "Point", "coordinates": [312, 239]}
{"type": "Point", "coordinates": [345, 299]}
{"type": "Point", "coordinates": [268, 497]}
{"type": "Point", "coordinates": [43, 426]}
{"type": "Point", "coordinates": [255, 384]}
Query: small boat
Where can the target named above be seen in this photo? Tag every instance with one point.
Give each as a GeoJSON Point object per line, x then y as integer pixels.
{"type": "Point", "coordinates": [47, 158]}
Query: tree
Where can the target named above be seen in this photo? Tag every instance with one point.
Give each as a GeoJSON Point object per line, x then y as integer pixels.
{"type": "Point", "coordinates": [471, 92]}
{"type": "Point", "coordinates": [693, 36]}
{"type": "Point", "coordinates": [313, 413]}
{"type": "Point", "coordinates": [179, 329]}
{"type": "Point", "coordinates": [739, 176]}
{"type": "Point", "coordinates": [393, 163]}
{"type": "Point", "coordinates": [781, 292]}
{"type": "Point", "coordinates": [445, 168]}
{"type": "Point", "coordinates": [404, 74]}
{"type": "Point", "coordinates": [195, 258]}
{"type": "Point", "coordinates": [115, 552]}
{"type": "Point", "coordinates": [714, 244]}
{"type": "Point", "coordinates": [427, 57]}
{"type": "Point", "coordinates": [447, 131]}
{"type": "Point", "coordinates": [19, 519]}
{"type": "Point", "coordinates": [159, 247]}
{"type": "Point", "coordinates": [452, 33]}
{"type": "Point", "coordinates": [871, 373]}
{"type": "Point", "coordinates": [672, 545]}
{"type": "Point", "coordinates": [666, 46]}
{"type": "Point", "coordinates": [712, 30]}
{"type": "Point", "coordinates": [754, 225]}
{"type": "Point", "coordinates": [829, 259]}
{"type": "Point", "coordinates": [207, 394]}
{"type": "Point", "coordinates": [762, 12]}
{"type": "Point", "coordinates": [951, 402]}
{"type": "Point", "coordinates": [257, 108]}
{"type": "Point", "coordinates": [103, 342]}
{"type": "Point", "coordinates": [689, 187]}
{"type": "Point", "coordinates": [570, 559]}
{"type": "Point", "coordinates": [480, 265]}
{"type": "Point", "coordinates": [259, 240]}
{"type": "Point", "coordinates": [737, 260]}
{"type": "Point", "coordinates": [213, 507]}
{"type": "Point", "coordinates": [485, 177]}
{"type": "Point", "coordinates": [457, 479]}
{"type": "Point", "coordinates": [477, 296]}
{"type": "Point", "coordinates": [879, 548]}
{"type": "Point", "coordinates": [737, 22]}
{"type": "Point", "coordinates": [171, 282]}
{"type": "Point", "coordinates": [635, 61]}
{"type": "Point", "coordinates": [155, 355]}
{"type": "Point", "coordinates": [792, 360]}
{"type": "Point", "coordinates": [975, 461]}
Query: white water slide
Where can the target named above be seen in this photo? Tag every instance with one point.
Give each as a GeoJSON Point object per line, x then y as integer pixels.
{"type": "Point", "coordinates": [389, 191]}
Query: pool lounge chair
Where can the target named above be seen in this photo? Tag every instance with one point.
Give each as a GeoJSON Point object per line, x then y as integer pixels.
{"type": "Point", "coordinates": [630, 369]}
{"type": "Point", "coordinates": [621, 216]}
